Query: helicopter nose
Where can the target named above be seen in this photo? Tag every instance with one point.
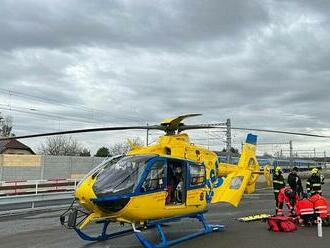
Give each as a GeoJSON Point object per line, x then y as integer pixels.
{"type": "Point", "coordinates": [84, 193]}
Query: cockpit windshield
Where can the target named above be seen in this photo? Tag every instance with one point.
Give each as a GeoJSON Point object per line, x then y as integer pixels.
{"type": "Point", "coordinates": [120, 177]}
{"type": "Point", "coordinates": [99, 168]}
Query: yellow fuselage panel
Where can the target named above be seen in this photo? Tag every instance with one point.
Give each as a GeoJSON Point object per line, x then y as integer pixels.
{"type": "Point", "coordinates": [225, 169]}
{"type": "Point", "coordinates": [179, 146]}
{"type": "Point", "coordinates": [142, 207]}
{"type": "Point", "coordinates": [153, 206]}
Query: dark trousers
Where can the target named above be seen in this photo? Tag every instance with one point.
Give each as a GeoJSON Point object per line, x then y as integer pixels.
{"type": "Point", "coordinates": [308, 219]}
{"type": "Point", "coordinates": [276, 198]}
{"type": "Point", "coordinates": [300, 192]}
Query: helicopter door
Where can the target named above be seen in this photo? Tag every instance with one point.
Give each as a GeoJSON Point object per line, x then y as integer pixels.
{"type": "Point", "coordinates": [196, 192]}
{"type": "Point", "coordinates": [154, 181]}
{"type": "Point", "coordinates": [176, 182]}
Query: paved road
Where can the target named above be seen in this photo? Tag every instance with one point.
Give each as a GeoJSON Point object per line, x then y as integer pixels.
{"type": "Point", "coordinates": [43, 230]}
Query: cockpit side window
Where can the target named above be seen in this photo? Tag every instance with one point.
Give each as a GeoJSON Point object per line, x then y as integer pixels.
{"type": "Point", "coordinates": [155, 178]}
{"type": "Point", "coordinates": [197, 174]}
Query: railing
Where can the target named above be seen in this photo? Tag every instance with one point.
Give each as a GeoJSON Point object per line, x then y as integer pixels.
{"type": "Point", "coordinates": [28, 187]}
{"type": "Point", "coordinates": [21, 196]}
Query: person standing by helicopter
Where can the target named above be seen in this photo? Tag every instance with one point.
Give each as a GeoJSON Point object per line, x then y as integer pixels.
{"type": "Point", "coordinates": [314, 182]}
{"type": "Point", "coordinates": [294, 182]}
{"type": "Point", "coordinates": [178, 193]}
{"type": "Point", "coordinates": [278, 184]}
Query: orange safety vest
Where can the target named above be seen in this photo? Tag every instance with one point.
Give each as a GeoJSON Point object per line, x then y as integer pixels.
{"type": "Point", "coordinates": [304, 207]}
{"type": "Point", "coordinates": [320, 205]}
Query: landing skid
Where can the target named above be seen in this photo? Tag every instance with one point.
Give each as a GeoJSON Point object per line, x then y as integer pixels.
{"type": "Point", "coordinates": [103, 236]}
{"type": "Point", "coordinates": [158, 224]}
{"type": "Point", "coordinates": [207, 228]}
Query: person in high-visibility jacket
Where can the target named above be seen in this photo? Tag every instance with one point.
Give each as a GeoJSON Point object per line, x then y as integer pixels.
{"type": "Point", "coordinates": [314, 182]}
{"type": "Point", "coordinates": [278, 183]}
{"type": "Point", "coordinates": [305, 211]}
{"type": "Point", "coordinates": [289, 197]}
{"type": "Point", "coordinates": [321, 207]}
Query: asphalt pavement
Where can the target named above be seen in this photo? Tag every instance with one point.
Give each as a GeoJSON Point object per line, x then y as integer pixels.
{"type": "Point", "coordinates": [44, 230]}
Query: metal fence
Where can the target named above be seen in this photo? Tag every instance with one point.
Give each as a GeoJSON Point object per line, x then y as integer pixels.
{"type": "Point", "coordinates": [40, 167]}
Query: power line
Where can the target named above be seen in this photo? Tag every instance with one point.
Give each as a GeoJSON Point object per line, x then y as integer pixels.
{"type": "Point", "coordinates": [273, 143]}
{"type": "Point", "coordinates": [48, 100]}
{"type": "Point", "coordinates": [53, 101]}
{"type": "Point", "coordinates": [216, 139]}
{"type": "Point", "coordinates": [40, 99]}
{"type": "Point", "coordinates": [45, 114]}
{"type": "Point", "coordinates": [279, 131]}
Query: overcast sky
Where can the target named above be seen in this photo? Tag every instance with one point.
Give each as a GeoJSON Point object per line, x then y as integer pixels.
{"type": "Point", "coordinates": [76, 64]}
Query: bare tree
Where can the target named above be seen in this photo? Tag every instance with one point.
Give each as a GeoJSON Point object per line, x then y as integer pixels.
{"type": "Point", "coordinates": [85, 153]}
{"type": "Point", "coordinates": [124, 147]}
{"type": "Point", "coordinates": [61, 146]}
{"type": "Point", "coordinates": [6, 126]}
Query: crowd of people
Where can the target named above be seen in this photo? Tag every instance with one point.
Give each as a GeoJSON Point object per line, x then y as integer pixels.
{"type": "Point", "coordinates": [305, 205]}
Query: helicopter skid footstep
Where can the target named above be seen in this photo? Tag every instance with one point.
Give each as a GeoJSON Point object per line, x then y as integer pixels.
{"type": "Point", "coordinates": [164, 242]}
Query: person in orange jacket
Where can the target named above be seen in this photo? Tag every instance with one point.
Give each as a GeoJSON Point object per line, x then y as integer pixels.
{"type": "Point", "coordinates": [321, 207]}
{"type": "Point", "coordinates": [289, 197]}
{"type": "Point", "coordinates": [305, 211]}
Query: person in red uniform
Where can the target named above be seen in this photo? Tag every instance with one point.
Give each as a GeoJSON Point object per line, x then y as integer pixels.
{"type": "Point", "coordinates": [305, 211]}
{"type": "Point", "coordinates": [289, 197]}
{"type": "Point", "coordinates": [321, 207]}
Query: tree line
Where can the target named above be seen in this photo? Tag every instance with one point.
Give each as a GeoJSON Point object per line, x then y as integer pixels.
{"type": "Point", "coordinates": [68, 146]}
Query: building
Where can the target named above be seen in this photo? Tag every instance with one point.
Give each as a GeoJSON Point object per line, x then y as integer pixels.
{"type": "Point", "coordinates": [14, 147]}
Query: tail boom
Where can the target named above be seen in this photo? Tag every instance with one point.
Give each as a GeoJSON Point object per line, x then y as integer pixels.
{"type": "Point", "coordinates": [239, 178]}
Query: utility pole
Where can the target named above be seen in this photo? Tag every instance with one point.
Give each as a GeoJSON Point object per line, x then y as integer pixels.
{"type": "Point", "coordinates": [208, 139]}
{"type": "Point", "coordinates": [1, 125]}
{"type": "Point", "coordinates": [228, 140]}
{"type": "Point", "coordinates": [291, 154]}
{"type": "Point", "coordinates": [147, 139]}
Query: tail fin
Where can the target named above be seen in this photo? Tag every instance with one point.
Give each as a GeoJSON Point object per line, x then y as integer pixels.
{"type": "Point", "coordinates": [241, 177]}
{"type": "Point", "coordinates": [248, 161]}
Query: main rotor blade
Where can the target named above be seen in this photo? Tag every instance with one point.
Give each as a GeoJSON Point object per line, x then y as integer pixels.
{"type": "Point", "coordinates": [89, 130]}
{"type": "Point", "coordinates": [162, 128]}
{"type": "Point", "coordinates": [282, 132]}
{"type": "Point", "coordinates": [202, 126]}
{"type": "Point", "coordinates": [175, 121]}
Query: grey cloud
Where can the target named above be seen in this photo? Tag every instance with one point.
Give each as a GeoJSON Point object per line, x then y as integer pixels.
{"type": "Point", "coordinates": [124, 23]}
{"type": "Point", "coordinates": [262, 63]}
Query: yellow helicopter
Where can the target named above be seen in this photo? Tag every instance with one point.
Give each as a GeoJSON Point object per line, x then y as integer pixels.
{"type": "Point", "coordinates": [170, 180]}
